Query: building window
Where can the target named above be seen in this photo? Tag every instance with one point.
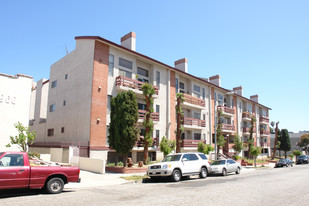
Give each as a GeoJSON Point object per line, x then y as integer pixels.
{"type": "Point", "coordinates": [64, 102]}
{"type": "Point", "coordinates": [158, 79]}
{"type": "Point", "coordinates": [54, 84]}
{"type": "Point", "coordinates": [220, 99]}
{"type": "Point", "coordinates": [62, 129]}
{"type": "Point", "coordinates": [50, 132]}
{"type": "Point", "coordinates": [204, 136]}
{"type": "Point", "coordinates": [249, 108]}
{"type": "Point", "coordinates": [107, 134]}
{"type": "Point", "coordinates": [111, 65]}
{"type": "Point", "coordinates": [158, 134]}
{"type": "Point", "coordinates": [204, 117]}
{"type": "Point", "coordinates": [125, 63]}
{"type": "Point", "coordinates": [52, 108]}
{"type": "Point", "coordinates": [181, 87]}
{"type": "Point", "coordinates": [66, 76]}
{"type": "Point", "coordinates": [203, 93]}
{"type": "Point", "coordinates": [197, 115]}
{"type": "Point", "coordinates": [157, 108]}
{"type": "Point", "coordinates": [176, 84]}
{"type": "Point", "coordinates": [142, 72]}
{"type": "Point", "coordinates": [196, 88]}
{"type": "Point", "coordinates": [197, 136]}
{"type": "Point", "coordinates": [109, 99]}
{"type": "Point", "coordinates": [125, 73]}
{"type": "Point", "coordinates": [141, 106]}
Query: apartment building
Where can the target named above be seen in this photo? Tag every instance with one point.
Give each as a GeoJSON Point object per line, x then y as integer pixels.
{"type": "Point", "coordinates": [15, 94]}
{"type": "Point", "coordinates": [83, 82]}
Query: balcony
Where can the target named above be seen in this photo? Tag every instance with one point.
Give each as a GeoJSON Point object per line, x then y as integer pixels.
{"type": "Point", "coordinates": [228, 128]}
{"type": "Point", "coordinates": [226, 111]}
{"type": "Point", "coordinates": [142, 113]}
{"type": "Point", "coordinates": [140, 142]}
{"type": "Point", "coordinates": [191, 123]}
{"type": "Point", "coordinates": [265, 144]}
{"type": "Point", "coordinates": [194, 102]}
{"type": "Point", "coordinates": [264, 120]}
{"type": "Point", "coordinates": [191, 142]}
{"type": "Point", "coordinates": [125, 83]}
{"type": "Point", "coordinates": [246, 116]}
{"type": "Point", "coordinates": [246, 130]}
{"type": "Point", "coordinates": [264, 133]}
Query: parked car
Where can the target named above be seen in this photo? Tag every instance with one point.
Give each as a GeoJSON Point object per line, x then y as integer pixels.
{"type": "Point", "coordinates": [284, 163]}
{"type": "Point", "coordinates": [302, 159]}
{"type": "Point", "coordinates": [16, 172]}
{"type": "Point", "coordinates": [180, 165]}
{"type": "Point", "coordinates": [225, 166]}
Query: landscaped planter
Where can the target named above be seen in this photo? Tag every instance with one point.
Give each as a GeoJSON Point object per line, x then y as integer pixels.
{"type": "Point", "coordinates": [126, 170]}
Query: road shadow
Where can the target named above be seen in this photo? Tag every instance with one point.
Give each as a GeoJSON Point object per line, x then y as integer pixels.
{"type": "Point", "coordinates": [24, 192]}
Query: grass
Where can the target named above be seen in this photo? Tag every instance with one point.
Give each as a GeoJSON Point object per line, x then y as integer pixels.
{"type": "Point", "coordinates": [134, 177]}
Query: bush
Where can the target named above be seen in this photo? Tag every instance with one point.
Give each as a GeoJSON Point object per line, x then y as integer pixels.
{"type": "Point", "coordinates": [120, 164]}
{"type": "Point", "coordinates": [236, 157]}
{"type": "Point", "coordinates": [33, 155]}
{"type": "Point", "coordinates": [110, 164]}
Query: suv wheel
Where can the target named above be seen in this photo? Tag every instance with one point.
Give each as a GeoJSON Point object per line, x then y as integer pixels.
{"type": "Point", "coordinates": [176, 176]}
{"type": "Point", "coordinates": [203, 173]}
{"type": "Point", "coordinates": [224, 172]}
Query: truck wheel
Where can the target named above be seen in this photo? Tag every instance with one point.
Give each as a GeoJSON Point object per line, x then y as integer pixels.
{"type": "Point", "coordinates": [54, 185]}
{"type": "Point", "coordinates": [176, 176]}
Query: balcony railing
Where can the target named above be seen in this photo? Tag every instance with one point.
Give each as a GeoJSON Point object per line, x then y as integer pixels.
{"type": "Point", "coordinates": [191, 142]}
{"type": "Point", "coordinates": [264, 144]}
{"type": "Point", "coordinates": [131, 83]}
{"type": "Point", "coordinates": [264, 132]}
{"type": "Point", "coordinates": [142, 114]}
{"type": "Point", "coordinates": [264, 119]}
{"type": "Point", "coordinates": [226, 109]}
{"type": "Point", "coordinates": [194, 122]}
{"type": "Point", "coordinates": [228, 127]}
{"type": "Point", "coordinates": [155, 142]}
{"type": "Point", "coordinates": [247, 129]}
{"type": "Point", "coordinates": [246, 115]}
{"type": "Point", "coordinates": [194, 100]}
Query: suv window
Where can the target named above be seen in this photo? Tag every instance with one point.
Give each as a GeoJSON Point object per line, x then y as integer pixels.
{"type": "Point", "coordinates": [192, 157]}
{"type": "Point", "coordinates": [12, 160]}
{"type": "Point", "coordinates": [203, 156]}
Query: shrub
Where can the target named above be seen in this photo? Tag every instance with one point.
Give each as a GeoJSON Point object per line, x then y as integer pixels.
{"type": "Point", "coordinates": [236, 157]}
{"type": "Point", "coordinates": [110, 164]}
{"type": "Point", "coordinates": [120, 164]}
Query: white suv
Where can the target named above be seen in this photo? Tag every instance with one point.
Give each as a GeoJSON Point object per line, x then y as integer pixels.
{"type": "Point", "coordinates": [179, 165]}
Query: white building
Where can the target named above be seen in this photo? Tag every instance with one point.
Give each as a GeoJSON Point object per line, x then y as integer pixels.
{"type": "Point", "coordinates": [82, 83]}
{"type": "Point", "coordinates": [15, 94]}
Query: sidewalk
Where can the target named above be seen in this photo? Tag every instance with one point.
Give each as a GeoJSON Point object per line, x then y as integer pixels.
{"type": "Point", "coordinates": [90, 179]}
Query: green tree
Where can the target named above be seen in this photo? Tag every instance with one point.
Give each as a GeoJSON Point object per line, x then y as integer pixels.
{"type": "Point", "coordinates": [255, 151]}
{"type": "Point", "coordinates": [276, 139]}
{"type": "Point", "coordinates": [238, 145]}
{"type": "Point", "coordinates": [179, 115]}
{"type": "Point", "coordinates": [296, 153]}
{"type": "Point", "coordinates": [24, 138]}
{"type": "Point", "coordinates": [279, 142]}
{"type": "Point", "coordinates": [167, 146]}
{"type": "Point", "coordinates": [220, 137]}
{"type": "Point", "coordinates": [148, 91]}
{"type": "Point", "coordinates": [285, 143]}
{"type": "Point", "coordinates": [123, 129]}
{"type": "Point", "coordinates": [204, 148]}
{"type": "Point", "coordinates": [304, 142]}
{"type": "Point", "coordinates": [251, 139]}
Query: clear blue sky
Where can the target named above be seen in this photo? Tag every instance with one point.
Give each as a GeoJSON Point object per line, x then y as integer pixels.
{"type": "Point", "coordinates": [261, 45]}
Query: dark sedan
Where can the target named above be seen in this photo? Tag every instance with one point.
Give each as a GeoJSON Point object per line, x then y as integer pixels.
{"type": "Point", "coordinates": [284, 163]}
{"type": "Point", "coordinates": [302, 159]}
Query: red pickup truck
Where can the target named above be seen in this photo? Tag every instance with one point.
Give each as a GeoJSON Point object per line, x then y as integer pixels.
{"type": "Point", "coordinates": [16, 172]}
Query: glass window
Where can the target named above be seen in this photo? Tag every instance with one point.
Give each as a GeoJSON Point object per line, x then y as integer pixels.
{"type": "Point", "coordinates": [203, 156]}
{"type": "Point", "coordinates": [50, 132]}
{"type": "Point", "coordinates": [125, 73]}
{"type": "Point", "coordinates": [141, 106]}
{"type": "Point", "coordinates": [197, 115]}
{"type": "Point", "coordinates": [196, 95]}
{"type": "Point", "coordinates": [176, 84]}
{"type": "Point", "coordinates": [249, 108]}
{"type": "Point", "coordinates": [181, 85]}
{"type": "Point", "coordinates": [62, 129]}
{"type": "Point", "coordinates": [158, 108]}
{"type": "Point", "coordinates": [197, 136]}
{"type": "Point", "coordinates": [109, 99]}
{"type": "Point", "coordinates": [158, 79]}
{"type": "Point", "coordinates": [52, 108]}
{"type": "Point", "coordinates": [204, 117]}
{"type": "Point", "coordinates": [220, 99]}
{"type": "Point", "coordinates": [64, 102]}
{"type": "Point", "coordinates": [142, 72]}
{"type": "Point", "coordinates": [125, 63]}
{"type": "Point", "coordinates": [12, 160]}
{"type": "Point", "coordinates": [54, 84]}
{"type": "Point", "coordinates": [111, 65]}
{"type": "Point", "coordinates": [66, 76]}
{"type": "Point", "coordinates": [203, 91]}
{"type": "Point", "coordinates": [196, 88]}
{"type": "Point", "coordinates": [157, 133]}
{"type": "Point", "coordinates": [264, 113]}
{"type": "Point", "coordinates": [107, 134]}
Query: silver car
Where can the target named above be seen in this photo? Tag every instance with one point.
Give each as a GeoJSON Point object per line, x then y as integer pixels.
{"type": "Point", "coordinates": [225, 166]}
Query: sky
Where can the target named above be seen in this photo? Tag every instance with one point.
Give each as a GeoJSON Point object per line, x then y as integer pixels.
{"type": "Point", "coordinates": [260, 45]}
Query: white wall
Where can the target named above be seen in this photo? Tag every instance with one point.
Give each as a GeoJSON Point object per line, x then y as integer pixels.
{"type": "Point", "coordinates": [15, 94]}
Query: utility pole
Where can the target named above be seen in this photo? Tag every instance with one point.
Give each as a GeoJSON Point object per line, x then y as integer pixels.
{"type": "Point", "coordinates": [275, 143]}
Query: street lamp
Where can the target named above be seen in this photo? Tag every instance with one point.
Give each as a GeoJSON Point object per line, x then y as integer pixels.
{"type": "Point", "coordinates": [216, 154]}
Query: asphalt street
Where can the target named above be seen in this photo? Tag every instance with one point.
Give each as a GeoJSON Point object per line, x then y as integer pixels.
{"type": "Point", "coordinates": [265, 186]}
